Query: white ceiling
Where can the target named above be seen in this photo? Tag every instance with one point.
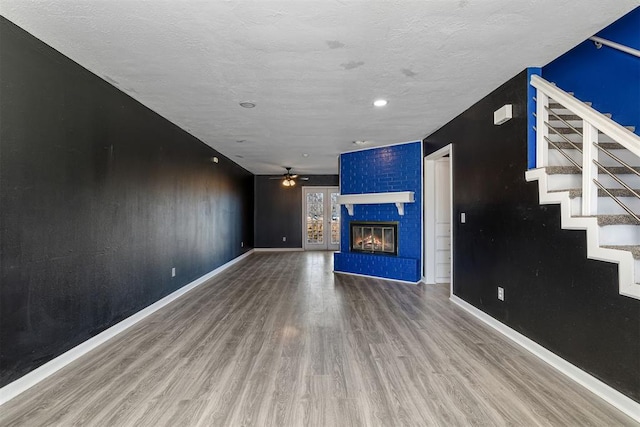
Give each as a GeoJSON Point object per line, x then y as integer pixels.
{"type": "Point", "coordinates": [313, 67]}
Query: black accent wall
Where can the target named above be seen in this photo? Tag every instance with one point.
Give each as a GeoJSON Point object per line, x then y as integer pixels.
{"type": "Point", "coordinates": [553, 294]}
{"type": "Point", "coordinates": [279, 209]}
{"type": "Point", "coordinates": [100, 197]}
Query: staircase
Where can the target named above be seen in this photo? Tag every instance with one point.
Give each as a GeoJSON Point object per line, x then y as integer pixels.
{"type": "Point", "coordinates": [590, 165]}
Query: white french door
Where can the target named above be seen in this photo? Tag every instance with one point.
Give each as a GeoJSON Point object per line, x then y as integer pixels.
{"type": "Point", "coordinates": [320, 218]}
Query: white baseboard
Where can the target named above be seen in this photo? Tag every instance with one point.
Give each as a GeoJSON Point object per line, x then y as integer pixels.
{"type": "Point", "coordinates": [594, 385]}
{"type": "Point", "coordinates": [27, 381]}
{"type": "Point", "coordinates": [377, 277]}
{"type": "Point", "coordinates": [278, 249]}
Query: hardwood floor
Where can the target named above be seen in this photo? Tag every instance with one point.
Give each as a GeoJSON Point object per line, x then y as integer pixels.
{"type": "Point", "coordinates": [279, 340]}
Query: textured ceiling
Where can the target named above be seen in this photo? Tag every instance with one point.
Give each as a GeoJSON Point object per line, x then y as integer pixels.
{"type": "Point", "coordinates": [312, 67]}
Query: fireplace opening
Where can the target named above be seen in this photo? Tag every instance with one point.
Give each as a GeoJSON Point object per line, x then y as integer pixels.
{"type": "Point", "coordinates": [374, 237]}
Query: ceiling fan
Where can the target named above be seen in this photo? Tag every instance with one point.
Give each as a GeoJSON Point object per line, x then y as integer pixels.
{"type": "Point", "coordinates": [288, 179]}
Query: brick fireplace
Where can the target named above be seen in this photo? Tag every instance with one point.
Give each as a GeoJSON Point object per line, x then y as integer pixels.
{"type": "Point", "coordinates": [393, 169]}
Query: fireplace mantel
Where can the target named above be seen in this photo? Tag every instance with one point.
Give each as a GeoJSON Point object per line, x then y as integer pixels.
{"type": "Point", "coordinates": [399, 198]}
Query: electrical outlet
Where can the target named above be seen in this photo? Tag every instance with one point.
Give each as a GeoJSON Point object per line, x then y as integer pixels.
{"type": "Point", "coordinates": [500, 293]}
{"type": "Point", "coordinates": [284, 238]}
{"type": "Point", "coordinates": [173, 272]}
{"type": "Point", "coordinates": [242, 244]}
{"type": "Point", "coordinates": [463, 217]}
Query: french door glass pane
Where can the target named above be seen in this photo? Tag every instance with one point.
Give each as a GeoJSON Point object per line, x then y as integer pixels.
{"type": "Point", "coordinates": [315, 217]}
{"type": "Point", "coordinates": [335, 219]}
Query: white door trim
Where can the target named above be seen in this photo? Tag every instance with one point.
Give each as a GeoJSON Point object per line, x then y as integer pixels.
{"type": "Point", "coordinates": [330, 246]}
{"type": "Point", "coordinates": [430, 213]}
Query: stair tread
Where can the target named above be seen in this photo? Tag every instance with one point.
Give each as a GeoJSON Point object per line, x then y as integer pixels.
{"type": "Point", "coordinates": [574, 137]}
{"type": "Point", "coordinates": [569, 116]}
{"type": "Point", "coordinates": [618, 192]}
{"type": "Point", "coordinates": [563, 129]}
{"type": "Point", "coordinates": [634, 249]}
{"type": "Point", "coordinates": [553, 104]}
{"type": "Point", "coordinates": [562, 170]}
{"type": "Point", "coordinates": [566, 145]}
{"type": "Point", "coordinates": [616, 220]}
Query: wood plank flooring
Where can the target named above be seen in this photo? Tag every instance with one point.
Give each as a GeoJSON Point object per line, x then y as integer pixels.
{"type": "Point", "coordinates": [279, 340]}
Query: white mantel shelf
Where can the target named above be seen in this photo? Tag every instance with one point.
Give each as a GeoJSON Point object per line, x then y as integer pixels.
{"type": "Point", "coordinates": [399, 198]}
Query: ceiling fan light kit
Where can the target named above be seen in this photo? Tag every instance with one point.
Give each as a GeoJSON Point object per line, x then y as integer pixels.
{"type": "Point", "coordinates": [288, 179]}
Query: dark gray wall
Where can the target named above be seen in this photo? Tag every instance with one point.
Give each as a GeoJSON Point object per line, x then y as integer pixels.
{"type": "Point", "coordinates": [553, 293]}
{"type": "Point", "coordinates": [100, 197]}
{"type": "Point", "coordinates": [279, 209]}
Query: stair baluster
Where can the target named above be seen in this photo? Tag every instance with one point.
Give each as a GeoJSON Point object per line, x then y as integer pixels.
{"type": "Point", "coordinates": [589, 169]}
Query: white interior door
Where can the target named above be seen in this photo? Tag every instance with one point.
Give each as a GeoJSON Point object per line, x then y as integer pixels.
{"type": "Point", "coordinates": [443, 221]}
{"type": "Point", "coordinates": [320, 218]}
{"type": "Point", "coordinates": [437, 217]}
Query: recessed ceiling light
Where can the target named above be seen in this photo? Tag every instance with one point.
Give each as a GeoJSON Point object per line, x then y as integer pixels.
{"type": "Point", "coordinates": [360, 142]}
{"type": "Point", "coordinates": [240, 141]}
{"type": "Point", "coordinates": [247, 104]}
{"type": "Point", "coordinates": [305, 154]}
{"type": "Point", "coordinates": [380, 102]}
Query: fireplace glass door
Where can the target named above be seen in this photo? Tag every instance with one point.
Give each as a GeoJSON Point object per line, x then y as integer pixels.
{"type": "Point", "coordinates": [374, 237]}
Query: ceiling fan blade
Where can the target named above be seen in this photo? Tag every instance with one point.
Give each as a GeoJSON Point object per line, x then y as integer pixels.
{"type": "Point", "coordinates": [293, 176]}
{"type": "Point", "coordinates": [304, 178]}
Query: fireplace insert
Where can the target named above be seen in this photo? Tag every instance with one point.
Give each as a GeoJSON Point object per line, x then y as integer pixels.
{"type": "Point", "coordinates": [374, 237]}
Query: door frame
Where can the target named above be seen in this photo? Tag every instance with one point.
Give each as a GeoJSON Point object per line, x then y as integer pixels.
{"type": "Point", "coordinates": [327, 214]}
{"type": "Point", "coordinates": [430, 214]}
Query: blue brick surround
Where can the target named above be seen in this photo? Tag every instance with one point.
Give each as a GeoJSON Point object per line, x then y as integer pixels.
{"type": "Point", "coordinates": [381, 170]}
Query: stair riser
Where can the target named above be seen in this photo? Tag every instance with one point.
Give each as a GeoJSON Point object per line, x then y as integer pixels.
{"type": "Point", "coordinates": [557, 159]}
{"type": "Point", "coordinates": [564, 182]}
{"type": "Point", "coordinates": [607, 206]}
{"type": "Point", "coordinates": [619, 235]}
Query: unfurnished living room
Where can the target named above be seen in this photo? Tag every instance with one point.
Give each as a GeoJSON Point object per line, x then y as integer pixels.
{"type": "Point", "coordinates": [319, 213]}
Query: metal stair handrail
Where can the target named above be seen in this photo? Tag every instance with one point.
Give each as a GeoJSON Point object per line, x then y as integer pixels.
{"type": "Point", "coordinates": [599, 41]}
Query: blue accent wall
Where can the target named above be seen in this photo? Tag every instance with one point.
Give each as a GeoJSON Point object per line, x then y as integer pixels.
{"type": "Point", "coordinates": [610, 79]}
{"type": "Point", "coordinates": [531, 119]}
{"type": "Point", "coordinates": [381, 170]}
